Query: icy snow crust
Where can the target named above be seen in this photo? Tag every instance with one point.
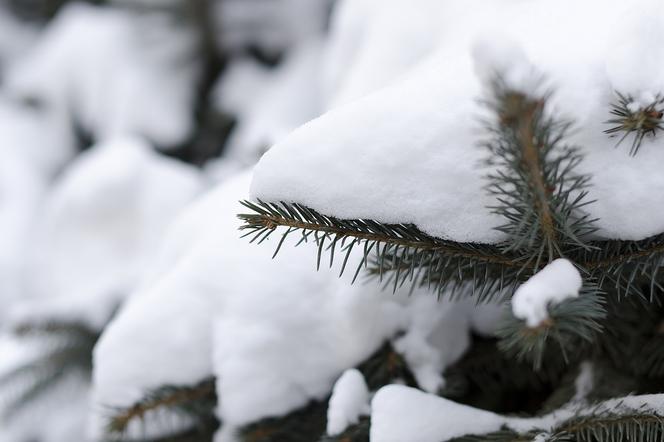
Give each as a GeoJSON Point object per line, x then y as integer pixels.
{"type": "Point", "coordinates": [408, 153]}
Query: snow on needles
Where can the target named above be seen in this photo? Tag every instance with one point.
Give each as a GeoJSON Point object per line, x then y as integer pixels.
{"type": "Point", "coordinates": [408, 152]}
{"type": "Point", "coordinates": [556, 282]}
{"type": "Point", "coordinates": [398, 412]}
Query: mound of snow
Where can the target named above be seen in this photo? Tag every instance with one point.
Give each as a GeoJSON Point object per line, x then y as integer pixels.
{"type": "Point", "coordinates": [100, 227]}
{"type": "Point", "coordinates": [113, 73]}
{"type": "Point", "coordinates": [275, 333]}
{"type": "Point", "coordinates": [408, 152]}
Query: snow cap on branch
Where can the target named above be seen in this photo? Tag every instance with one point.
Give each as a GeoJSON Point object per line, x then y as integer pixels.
{"type": "Point", "coordinates": [553, 284]}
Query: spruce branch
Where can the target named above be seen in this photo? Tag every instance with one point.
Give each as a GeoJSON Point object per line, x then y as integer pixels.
{"type": "Point", "coordinates": [635, 426]}
{"type": "Point", "coordinates": [488, 378]}
{"type": "Point", "coordinates": [401, 249]}
{"type": "Point", "coordinates": [507, 435]}
{"type": "Point", "coordinates": [625, 265]}
{"type": "Point", "coordinates": [303, 425]}
{"type": "Point", "coordinates": [595, 424]}
{"type": "Point", "coordinates": [385, 367]}
{"type": "Point", "coordinates": [631, 119]}
{"type": "Point", "coordinates": [570, 324]}
{"type": "Point", "coordinates": [195, 402]}
{"type": "Point", "coordinates": [534, 182]}
{"type": "Point", "coordinates": [67, 349]}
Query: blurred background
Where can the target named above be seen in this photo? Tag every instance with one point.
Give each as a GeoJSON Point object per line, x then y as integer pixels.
{"type": "Point", "coordinates": [114, 115]}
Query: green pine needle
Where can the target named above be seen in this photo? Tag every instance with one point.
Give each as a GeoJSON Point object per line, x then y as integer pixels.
{"type": "Point", "coordinates": [639, 124]}
{"type": "Point", "coordinates": [197, 403]}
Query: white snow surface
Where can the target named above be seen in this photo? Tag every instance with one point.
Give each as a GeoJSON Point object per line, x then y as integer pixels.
{"type": "Point", "coordinates": [349, 401]}
{"type": "Point", "coordinates": [114, 72]}
{"type": "Point", "coordinates": [100, 226]}
{"type": "Point", "coordinates": [276, 333]}
{"type": "Point", "coordinates": [22, 190]}
{"type": "Point", "coordinates": [402, 145]}
{"type": "Point", "coordinates": [15, 37]}
{"type": "Point", "coordinates": [558, 281]}
{"type": "Point", "coordinates": [274, 26]}
{"type": "Point", "coordinates": [269, 104]}
{"type": "Point", "coordinates": [399, 412]}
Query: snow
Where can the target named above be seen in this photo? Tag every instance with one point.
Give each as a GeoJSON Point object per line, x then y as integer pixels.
{"type": "Point", "coordinates": [98, 229]}
{"type": "Point", "coordinates": [273, 26]}
{"type": "Point", "coordinates": [111, 72]}
{"type": "Point", "coordinates": [275, 333]}
{"type": "Point", "coordinates": [21, 193]}
{"type": "Point", "coordinates": [269, 104]}
{"type": "Point", "coordinates": [371, 43]}
{"type": "Point", "coordinates": [407, 152]}
{"type": "Point", "coordinates": [15, 37]}
{"type": "Point", "coordinates": [349, 401]}
{"type": "Point", "coordinates": [584, 382]}
{"type": "Point", "coordinates": [39, 138]}
{"type": "Point", "coordinates": [400, 412]}
{"type": "Point", "coordinates": [558, 281]}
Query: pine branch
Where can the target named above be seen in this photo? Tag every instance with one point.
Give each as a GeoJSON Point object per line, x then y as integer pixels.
{"type": "Point", "coordinates": [534, 179]}
{"type": "Point", "coordinates": [390, 248]}
{"type": "Point", "coordinates": [645, 426]}
{"type": "Point", "coordinates": [624, 265]}
{"type": "Point", "coordinates": [590, 425]}
{"type": "Point", "coordinates": [487, 378]}
{"type": "Point", "coordinates": [304, 425]}
{"type": "Point", "coordinates": [197, 403]}
{"type": "Point", "coordinates": [67, 349]}
{"type": "Point", "coordinates": [385, 367]}
{"type": "Point", "coordinates": [504, 435]}
{"type": "Point", "coordinates": [571, 323]}
{"type": "Point", "coordinates": [639, 122]}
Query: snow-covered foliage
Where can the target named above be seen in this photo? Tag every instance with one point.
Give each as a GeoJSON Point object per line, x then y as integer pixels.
{"type": "Point", "coordinates": [398, 412]}
{"type": "Point", "coordinates": [556, 282]}
{"type": "Point", "coordinates": [111, 73]}
{"type": "Point", "coordinates": [359, 109]}
{"type": "Point", "coordinates": [99, 228]}
{"type": "Point", "coordinates": [228, 309]}
{"type": "Point", "coordinates": [433, 144]}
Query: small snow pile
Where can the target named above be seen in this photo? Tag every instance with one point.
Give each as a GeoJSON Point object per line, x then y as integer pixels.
{"type": "Point", "coordinates": [418, 126]}
{"type": "Point", "coordinates": [398, 413]}
{"type": "Point", "coordinates": [349, 401]}
{"type": "Point", "coordinates": [109, 72]}
{"type": "Point", "coordinates": [558, 281]}
{"type": "Point", "coordinates": [99, 228]}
